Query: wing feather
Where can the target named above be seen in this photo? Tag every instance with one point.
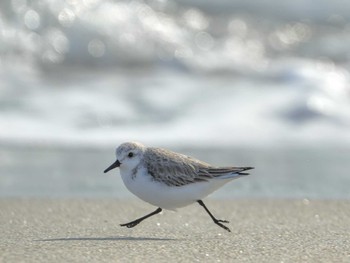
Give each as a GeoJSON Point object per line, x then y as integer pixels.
{"type": "Point", "coordinates": [174, 169]}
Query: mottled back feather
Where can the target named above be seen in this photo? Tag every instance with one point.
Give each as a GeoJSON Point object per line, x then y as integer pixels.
{"type": "Point", "coordinates": [176, 169]}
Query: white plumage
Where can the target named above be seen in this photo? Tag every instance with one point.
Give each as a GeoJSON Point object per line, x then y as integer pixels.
{"type": "Point", "coordinates": [169, 180]}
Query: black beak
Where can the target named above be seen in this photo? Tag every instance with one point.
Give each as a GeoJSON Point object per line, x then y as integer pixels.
{"type": "Point", "coordinates": [114, 165]}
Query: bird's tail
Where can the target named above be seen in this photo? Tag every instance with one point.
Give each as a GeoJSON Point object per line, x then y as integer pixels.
{"type": "Point", "coordinates": [245, 169]}
{"type": "Point", "coordinates": [229, 172]}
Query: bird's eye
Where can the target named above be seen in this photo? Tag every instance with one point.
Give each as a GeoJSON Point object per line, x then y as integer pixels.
{"type": "Point", "coordinates": [130, 155]}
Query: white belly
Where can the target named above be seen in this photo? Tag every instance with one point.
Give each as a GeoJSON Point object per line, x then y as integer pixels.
{"type": "Point", "coordinates": [168, 197]}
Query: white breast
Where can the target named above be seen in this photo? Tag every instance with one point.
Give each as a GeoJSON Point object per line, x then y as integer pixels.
{"type": "Point", "coordinates": [143, 186]}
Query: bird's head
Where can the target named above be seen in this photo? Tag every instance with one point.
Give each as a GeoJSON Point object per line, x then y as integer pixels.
{"type": "Point", "coordinates": [129, 155]}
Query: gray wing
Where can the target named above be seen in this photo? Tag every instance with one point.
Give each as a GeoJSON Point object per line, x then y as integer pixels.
{"type": "Point", "coordinates": [175, 169]}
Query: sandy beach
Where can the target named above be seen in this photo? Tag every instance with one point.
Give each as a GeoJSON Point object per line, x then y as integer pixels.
{"type": "Point", "coordinates": [77, 230]}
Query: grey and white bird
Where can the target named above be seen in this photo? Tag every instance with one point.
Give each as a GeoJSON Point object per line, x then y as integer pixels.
{"type": "Point", "coordinates": [170, 180]}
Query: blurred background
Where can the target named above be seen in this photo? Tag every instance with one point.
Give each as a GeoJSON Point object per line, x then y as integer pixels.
{"type": "Point", "coordinates": [231, 82]}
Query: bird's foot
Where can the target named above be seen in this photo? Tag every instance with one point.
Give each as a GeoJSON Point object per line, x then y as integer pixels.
{"type": "Point", "coordinates": [218, 222]}
{"type": "Point", "coordinates": [223, 221]}
{"type": "Point", "coordinates": [131, 224]}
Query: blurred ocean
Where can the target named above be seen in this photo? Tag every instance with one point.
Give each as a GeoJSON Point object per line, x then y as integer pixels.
{"type": "Point", "coordinates": [258, 83]}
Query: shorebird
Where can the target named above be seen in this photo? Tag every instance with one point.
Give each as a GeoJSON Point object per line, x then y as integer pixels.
{"type": "Point", "coordinates": [170, 180]}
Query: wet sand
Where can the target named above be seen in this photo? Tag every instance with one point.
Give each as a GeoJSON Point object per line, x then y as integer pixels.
{"type": "Point", "coordinates": [77, 230]}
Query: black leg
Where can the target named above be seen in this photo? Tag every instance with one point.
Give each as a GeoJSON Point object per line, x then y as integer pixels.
{"type": "Point", "coordinates": [139, 220]}
{"type": "Point", "coordinates": [216, 221]}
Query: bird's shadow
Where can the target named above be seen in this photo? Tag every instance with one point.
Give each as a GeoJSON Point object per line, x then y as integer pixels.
{"type": "Point", "coordinates": [105, 239]}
